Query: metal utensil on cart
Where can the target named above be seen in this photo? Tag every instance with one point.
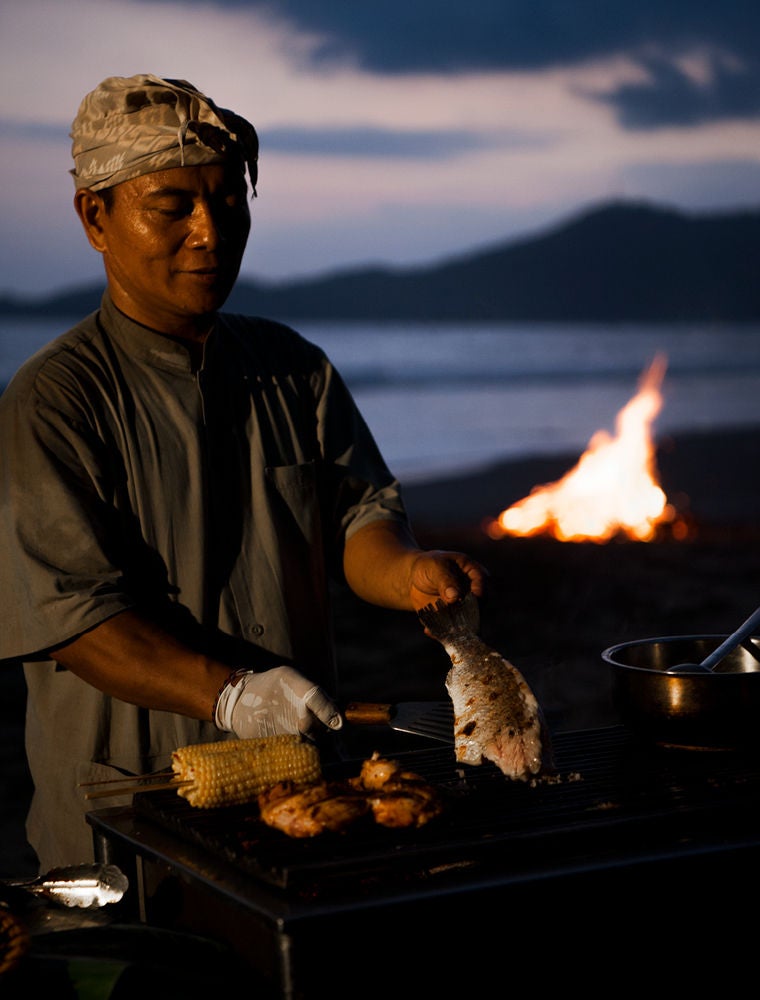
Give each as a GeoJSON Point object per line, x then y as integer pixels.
{"type": "Point", "coordinates": [86, 886]}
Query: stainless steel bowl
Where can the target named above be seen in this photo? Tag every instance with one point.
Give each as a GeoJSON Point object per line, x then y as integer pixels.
{"type": "Point", "coordinates": [713, 711]}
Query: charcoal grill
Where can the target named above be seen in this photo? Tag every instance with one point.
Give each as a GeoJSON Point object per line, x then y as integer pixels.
{"type": "Point", "coordinates": [622, 824]}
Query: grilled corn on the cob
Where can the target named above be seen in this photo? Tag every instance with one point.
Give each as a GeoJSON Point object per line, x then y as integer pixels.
{"type": "Point", "coordinates": [233, 772]}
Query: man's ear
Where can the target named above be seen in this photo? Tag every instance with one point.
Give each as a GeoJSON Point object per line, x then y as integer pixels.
{"type": "Point", "coordinates": [91, 211]}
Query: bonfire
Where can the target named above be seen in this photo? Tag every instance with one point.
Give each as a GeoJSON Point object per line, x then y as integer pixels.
{"type": "Point", "coordinates": [612, 491]}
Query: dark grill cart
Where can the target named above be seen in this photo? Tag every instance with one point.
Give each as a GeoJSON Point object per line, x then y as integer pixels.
{"type": "Point", "coordinates": [629, 840]}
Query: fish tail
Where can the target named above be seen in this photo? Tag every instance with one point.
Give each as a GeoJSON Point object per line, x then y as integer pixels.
{"type": "Point", "coordinates": [445, 621]}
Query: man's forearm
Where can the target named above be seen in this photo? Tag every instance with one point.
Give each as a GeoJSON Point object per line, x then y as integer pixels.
{"type": "Point", "coordinates": [377, 562]}
{"type": "Point", "coordinates": [130, 658]}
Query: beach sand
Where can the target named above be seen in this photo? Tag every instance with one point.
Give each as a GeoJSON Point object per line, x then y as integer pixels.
{"type": "Point", "coordinates": [552, 607]}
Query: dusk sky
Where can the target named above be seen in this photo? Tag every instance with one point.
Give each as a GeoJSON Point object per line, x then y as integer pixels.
{"type": "Point", "coordinates": [396, 133]}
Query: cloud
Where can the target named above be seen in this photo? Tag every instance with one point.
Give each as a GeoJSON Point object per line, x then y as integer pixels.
{"type": "Point", "coordinates": [12, 130]}
{"type": "Point", "coordinates": [433, 36]}
{"type": "Point", "coordinates": [674, 96]}
{"type": "Point", "coordinates": [432, 144]}
{"type": "Point", "coordinates": [398, 165]}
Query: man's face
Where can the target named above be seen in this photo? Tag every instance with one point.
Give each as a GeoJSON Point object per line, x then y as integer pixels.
{"type": "Point", "coordinates": [172, 244]}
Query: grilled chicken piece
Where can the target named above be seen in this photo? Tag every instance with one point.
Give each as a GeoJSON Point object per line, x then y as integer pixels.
{"type": "Point", "coordinates": [307, 811]}
{"type": "Point", "coordinates": [403, 804]}
{"type": "Point", "coordinates": [376, 772]}
{"type": "Point", "coordinates": [392, 797]}
{"type": "Point", "coordinates": [397, 798]}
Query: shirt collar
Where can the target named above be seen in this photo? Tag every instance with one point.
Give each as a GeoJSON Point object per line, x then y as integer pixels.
{"type": "Point", "coordinates": [151, 347]}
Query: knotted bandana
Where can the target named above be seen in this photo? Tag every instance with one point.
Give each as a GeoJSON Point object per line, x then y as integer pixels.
{"type": "Point", "coordinates": [129, 126]}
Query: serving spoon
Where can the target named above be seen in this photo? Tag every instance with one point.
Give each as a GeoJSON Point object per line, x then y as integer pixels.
{"type": "Point", "coordinates": [710, 662]}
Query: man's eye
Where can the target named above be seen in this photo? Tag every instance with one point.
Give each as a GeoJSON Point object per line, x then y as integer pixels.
{"type": "Point", "coordinates": [172, 207]}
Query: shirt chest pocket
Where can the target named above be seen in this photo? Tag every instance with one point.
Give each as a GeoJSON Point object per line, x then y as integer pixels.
{"type": "Point", "coordinates": [294, 497]}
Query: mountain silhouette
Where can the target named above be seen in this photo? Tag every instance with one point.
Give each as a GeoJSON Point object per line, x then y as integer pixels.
{"type": "Point", "coordinates": [621, 261]}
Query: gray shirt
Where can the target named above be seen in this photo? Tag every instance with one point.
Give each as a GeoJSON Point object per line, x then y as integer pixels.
{"type": "Point", "coordinates": [217, 501]}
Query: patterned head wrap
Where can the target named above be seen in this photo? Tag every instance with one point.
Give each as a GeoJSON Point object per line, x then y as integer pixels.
{"type": "Point", "coordinates": [129, 126]}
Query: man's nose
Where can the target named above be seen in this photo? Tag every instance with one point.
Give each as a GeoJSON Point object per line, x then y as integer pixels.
{"type": "Point", "coordinates": [205, 230]}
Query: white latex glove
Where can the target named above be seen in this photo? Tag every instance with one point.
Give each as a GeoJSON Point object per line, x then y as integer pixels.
{"type": "Point", "coordinates": [279, 700]}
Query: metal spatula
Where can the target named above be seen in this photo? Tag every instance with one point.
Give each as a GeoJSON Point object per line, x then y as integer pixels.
{"type": "Point", "coordinates": [434, 719]}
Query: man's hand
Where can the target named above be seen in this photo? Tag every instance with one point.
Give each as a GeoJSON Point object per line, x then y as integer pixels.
{"type": "Point", "coordinates": [447, 576]}
{"type": "Point", "coordinates": [279, 700]}
{"type": "Point", "coordinates": [384, 565]}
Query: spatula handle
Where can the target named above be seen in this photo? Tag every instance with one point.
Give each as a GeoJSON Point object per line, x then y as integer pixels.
{"type": "Point", "coordinates": [368, 713]}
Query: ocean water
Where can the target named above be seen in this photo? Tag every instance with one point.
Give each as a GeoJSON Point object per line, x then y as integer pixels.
{"type": "Point", "coordinates": [446, 398]}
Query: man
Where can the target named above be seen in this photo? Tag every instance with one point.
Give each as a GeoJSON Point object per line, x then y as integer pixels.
{"type": "Point", "coordinates": [179, 483]}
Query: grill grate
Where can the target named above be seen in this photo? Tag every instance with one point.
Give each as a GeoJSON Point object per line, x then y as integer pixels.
{"type": "Point", "coordinates": [609, 788]}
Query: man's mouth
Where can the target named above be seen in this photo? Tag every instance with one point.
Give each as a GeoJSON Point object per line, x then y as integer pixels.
{"type": "Point", "coordinates": [206, 273]}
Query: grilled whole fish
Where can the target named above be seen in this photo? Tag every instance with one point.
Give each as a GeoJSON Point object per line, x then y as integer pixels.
{"type": "Point", "coordinates": [496, 715]}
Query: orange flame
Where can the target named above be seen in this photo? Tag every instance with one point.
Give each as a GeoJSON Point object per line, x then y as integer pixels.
{"type": "Point", "coordinates": [612, 490]}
